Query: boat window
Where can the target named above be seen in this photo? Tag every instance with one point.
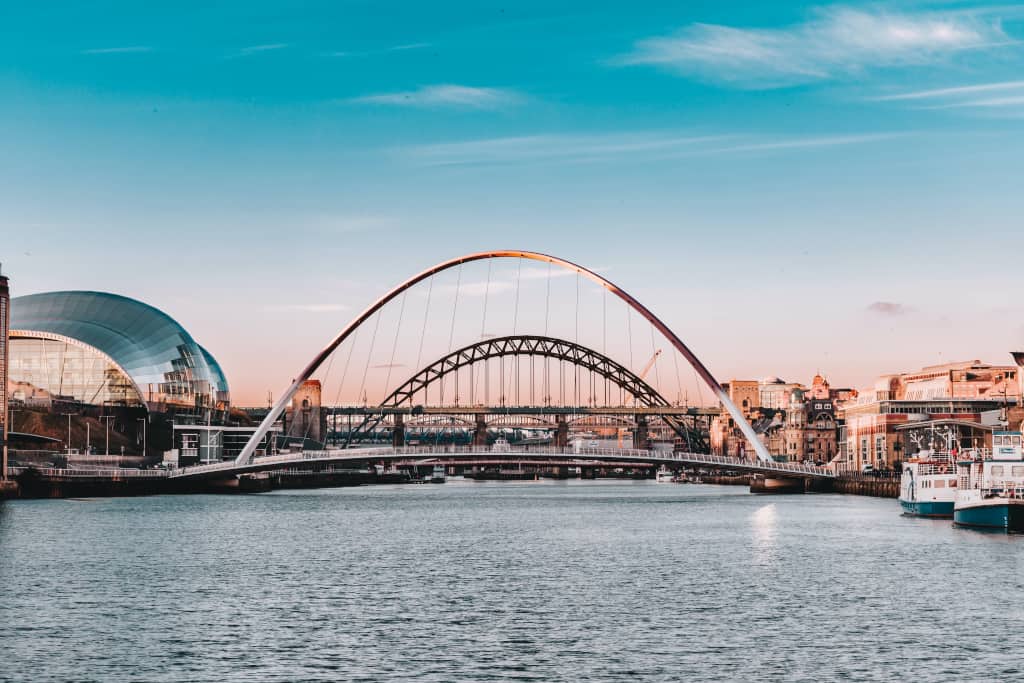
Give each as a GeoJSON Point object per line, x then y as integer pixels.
{"type": "Point", "coordinates": [940, 483]}
{"type": "Point", "coordinates": [1018, 470]}
{"type": "Point", "coordinates": [952, 483]}
{"type": "Point", "coordinates": [997, 440]}
{"type": "Point", "coordinates": [996, 471]}
{"type": "Point", "coordinates": [1016, 441]}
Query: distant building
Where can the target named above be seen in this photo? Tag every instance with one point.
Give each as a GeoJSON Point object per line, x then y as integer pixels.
{"type": "Point", "coordinates": [304, 418]}
{"type": "Point", "coordinates": [937, 407]}
{"type": "Point", "coordinates": [104, 355]}
{"type": "Point", "coordinates": [5, 314]}
{"type": "Point", "coordinates": [795, 423]}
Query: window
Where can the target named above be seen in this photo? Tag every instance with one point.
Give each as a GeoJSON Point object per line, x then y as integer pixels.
{"type": "Point", "coordinates": [996, 471]}
{"type": "Point", "coordinates": [1018, 470]}
{"type": "Point", "coordinates": [940, 483]}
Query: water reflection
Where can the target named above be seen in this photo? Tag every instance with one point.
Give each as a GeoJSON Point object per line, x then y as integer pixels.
{"type": "Point", "coordinates": [764, 522]}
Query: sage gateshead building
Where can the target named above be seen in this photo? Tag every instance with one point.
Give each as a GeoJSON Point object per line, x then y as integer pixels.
{"type": "Point", "coordinates": [100, 349]}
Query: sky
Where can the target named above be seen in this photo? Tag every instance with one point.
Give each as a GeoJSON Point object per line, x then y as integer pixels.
{"type": "Point", "coordinates": [792, 187]}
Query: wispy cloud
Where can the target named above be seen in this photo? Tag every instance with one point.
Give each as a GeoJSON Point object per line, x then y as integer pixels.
{"type": "Point", "coordinates": [835, 41]}
{"type": "Point", "coordinates": [256, 49]}
{"type": "Point", "coordinates": [117, 50]}
{"type": "Point", "coordinates": [958, 91]}
{"type": "Point", "coordinates": [809, 142]}
{"type": "Point", "coordinates": [408, 46]}
{"type": "Point", "coordinates": [445, 95]}
{"type": "Point", "coordinates": [888, 308]}
{"type": "Point", "coordinates": [618, 147]}
{"type": "Point", "coordinates": [369, 53]}
{"type": "Point", "coordinates": [966, 96]}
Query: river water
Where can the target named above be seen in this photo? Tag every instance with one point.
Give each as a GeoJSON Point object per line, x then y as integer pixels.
{"type": "Point", "coordinates": [596, 581]}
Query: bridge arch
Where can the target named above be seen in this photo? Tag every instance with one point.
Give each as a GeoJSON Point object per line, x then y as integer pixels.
{"type": "Point", "coordinates": [522, 345]}
{"type": "Point", "coordinates": [245, 456]}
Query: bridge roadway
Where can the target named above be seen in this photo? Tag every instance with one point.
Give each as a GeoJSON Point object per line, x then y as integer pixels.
{"type": "Point", "coordinates": [467, 454]}
{"type": "Point", "coordinates": [677, 411]}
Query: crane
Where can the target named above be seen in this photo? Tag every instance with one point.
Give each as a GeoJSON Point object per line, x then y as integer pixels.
{"type": "Point", "coordinates": [650, 364]}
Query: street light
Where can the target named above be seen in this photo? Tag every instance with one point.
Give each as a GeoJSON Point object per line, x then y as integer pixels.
{"type": "Point", "coordinates": [143, 420]}
{"type": "Point", "coordinates": [69, 430]}
{"type": "Point", "coordinates": [107, 419]}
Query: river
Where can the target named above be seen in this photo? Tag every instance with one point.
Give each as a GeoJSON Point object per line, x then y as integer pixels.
{"type": "Point", "coordinates": [572, 581]}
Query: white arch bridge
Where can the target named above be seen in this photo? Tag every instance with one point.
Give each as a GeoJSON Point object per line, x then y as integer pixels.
{"type": "Point", "coordinates": [540, 455]}
{"type": "Point", "coordinates": [514, 345]}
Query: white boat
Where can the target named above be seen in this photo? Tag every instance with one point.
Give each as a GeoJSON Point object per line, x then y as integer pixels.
{"type": "Point", "coordinates": [665, 476]}
{"type": "Point", "coordinates": [501, 445]}
{"type": "Point", "coordinates": [928, 485]}
{"type": "Point", "coordinates": [990, 486]}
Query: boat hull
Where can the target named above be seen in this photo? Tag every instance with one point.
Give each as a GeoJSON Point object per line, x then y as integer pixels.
{"type": "Point", "coordinates": [1003, 514]}
{"type": "Point", "coordinates": [933, 509]}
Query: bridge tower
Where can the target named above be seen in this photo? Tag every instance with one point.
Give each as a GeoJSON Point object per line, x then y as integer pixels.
{"type": "Point", "coordinates": [398, 433]}
{"type": "Point", "coordinates": [480, 433]}
{"type": "Point", "coordinates": [561, 431]}
{"type": "Point", "coordinates": [640, 435]}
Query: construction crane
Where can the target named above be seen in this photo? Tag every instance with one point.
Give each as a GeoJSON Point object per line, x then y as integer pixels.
{"type": "Point", "coordinates": [650, 364]}
{"type": "Point", "coordinates": [643, 373]}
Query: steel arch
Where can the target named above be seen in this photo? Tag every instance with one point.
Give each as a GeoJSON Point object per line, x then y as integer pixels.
{"type": "Point", "coordinates": [522, 345]}
{"type": "Point", "coordinates": [245, 456]}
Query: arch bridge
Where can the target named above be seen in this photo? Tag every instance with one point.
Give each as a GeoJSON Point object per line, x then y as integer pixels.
{"type": "Point", "coordinates": [530, 346]}
{"type": "Point", "coordinates": [644, 396]}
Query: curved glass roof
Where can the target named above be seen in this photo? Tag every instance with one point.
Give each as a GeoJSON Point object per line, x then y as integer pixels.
{"type": "Point", "coordinates": [159, 355]}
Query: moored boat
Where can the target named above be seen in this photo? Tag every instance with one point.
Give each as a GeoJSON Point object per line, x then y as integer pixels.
{"type": "Point", "coordinates": [990, 486]}
{"type": "Point", "coordinates": [928, 485]}
{"type": "Point", "coordinates": [665, 476]}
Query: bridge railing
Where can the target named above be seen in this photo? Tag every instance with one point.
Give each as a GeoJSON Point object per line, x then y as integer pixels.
{"type": "Point", "coordinates": [634, 454]}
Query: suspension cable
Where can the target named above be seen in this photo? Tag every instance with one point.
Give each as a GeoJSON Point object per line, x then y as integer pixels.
{"type": "Point", "coordinates": [369, 357]}
{"type": "Point", "coordinates": [394, 346]}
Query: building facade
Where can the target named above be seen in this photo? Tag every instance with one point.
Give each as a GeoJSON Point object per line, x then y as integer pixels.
{"type": "Point", "coordinates": [304, 418]}
{"type": "Point", "coordinates": [94, 355]}
{"type": "Point", "coordinates": [794, 422]}
{"type": "Point", "coordinates": [937, 407]}
{"type": "Point", "coordinates": [5, 314]}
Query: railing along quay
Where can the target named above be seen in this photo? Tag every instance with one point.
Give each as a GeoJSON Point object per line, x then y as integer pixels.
{"type": "Point", "coordinates": [104, 473]}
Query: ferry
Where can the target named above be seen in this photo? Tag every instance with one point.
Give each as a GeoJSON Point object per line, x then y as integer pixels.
{"type": "Point", "coordinates": [990, 490]}
{"type": "Point", "coordinates": [928, 485]}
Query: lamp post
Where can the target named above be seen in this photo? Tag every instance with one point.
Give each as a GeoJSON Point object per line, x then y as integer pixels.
{"type": "Point", "coordinates": [69, 430]}
{"type": "Point", "coordinates": [107, 419]}
{"type": "Point", "coordinates": [143, 420]}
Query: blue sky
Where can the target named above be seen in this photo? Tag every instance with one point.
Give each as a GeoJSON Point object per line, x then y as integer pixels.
{"type": "Point", "coordinates": [793, 187]}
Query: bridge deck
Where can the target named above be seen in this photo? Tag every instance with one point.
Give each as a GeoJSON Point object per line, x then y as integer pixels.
{"type": "Point", "coordinates": [539, 454]}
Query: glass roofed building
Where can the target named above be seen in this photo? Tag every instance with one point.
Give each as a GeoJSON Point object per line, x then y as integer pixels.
{"type": "Point", "coordinates": [94, 348]}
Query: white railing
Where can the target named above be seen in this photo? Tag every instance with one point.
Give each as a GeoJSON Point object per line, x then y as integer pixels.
{"type": "Point", "coordinates": [581, 453]}
{"type": "Point", "coordinates": [106, 473]}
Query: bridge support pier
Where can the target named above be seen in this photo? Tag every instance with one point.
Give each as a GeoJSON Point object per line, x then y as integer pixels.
{"type": "Point", "coordinates": [398, 433]}
{"type": "Point", "coordinates": [561, 432]}
{"type": "Point", "coordinates": [640, 436]}
{"type": "Point", "coordinates": [763, 484]}
{"type": "Point", "coordinates": [480, 435]}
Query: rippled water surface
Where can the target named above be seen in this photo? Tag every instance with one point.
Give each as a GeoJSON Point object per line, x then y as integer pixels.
{"type": "Point", "coordinates": [610, 581]}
